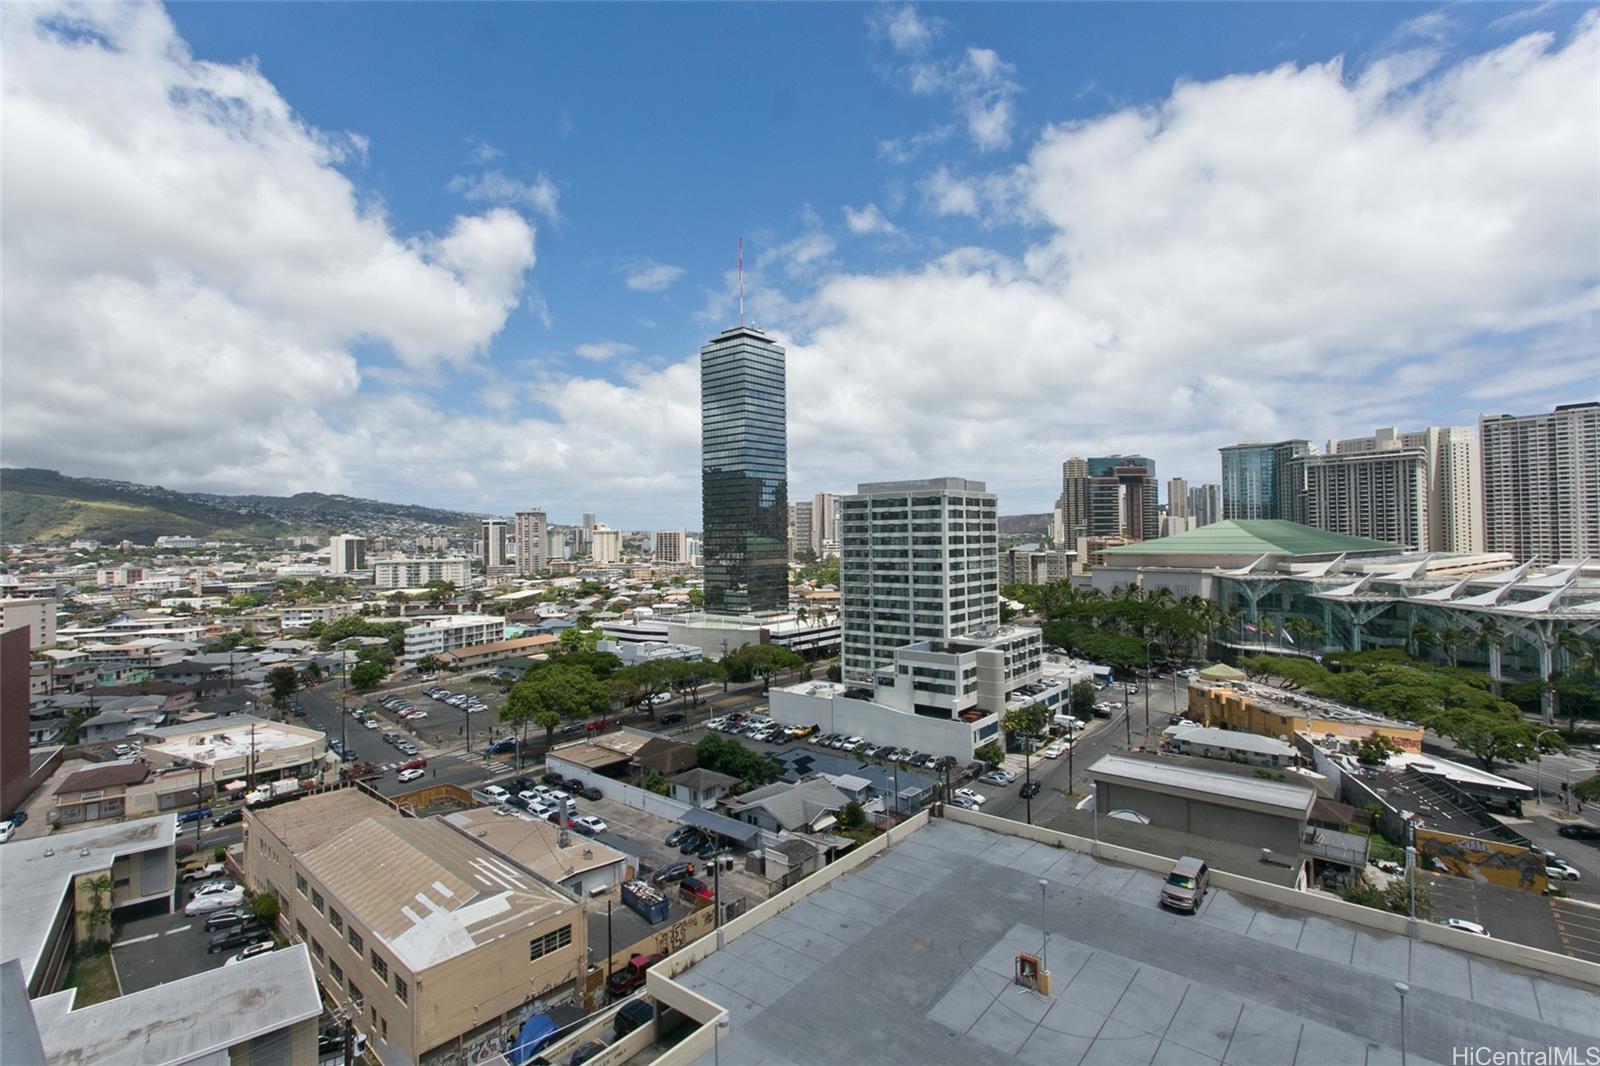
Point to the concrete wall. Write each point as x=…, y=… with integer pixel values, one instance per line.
x=1313, y=902
x=1210, y=820
x=640, y=799
x=879, y=724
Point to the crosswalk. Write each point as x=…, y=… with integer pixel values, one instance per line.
x=496, y=767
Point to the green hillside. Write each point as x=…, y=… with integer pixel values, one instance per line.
x=42, y=505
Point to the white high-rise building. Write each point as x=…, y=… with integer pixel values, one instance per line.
x=556, y=546
x=1541, y=483
x=456, y=631
x=824, y=521
x=1453, y=473
x=672, y=546
x=605, y=547
x=1205, y=503
x=918, y=561
x=800, y=526
x=346, y=553
x=529, y=530
x=1177, y=498
x=492, y=543
x=1381, y=494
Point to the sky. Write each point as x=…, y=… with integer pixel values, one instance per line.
x=465, y=255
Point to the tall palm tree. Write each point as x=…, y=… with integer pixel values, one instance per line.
x=1452, y=638
x=1422, y=637
x=1492, y=636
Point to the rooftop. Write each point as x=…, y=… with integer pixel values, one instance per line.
x=534, y=842
x=876, y=954
x=218, y=740
x=1236, y=739
x=187, y=1020
x=429, y=892
x=105, y=775
x=310, y=821
x=1163, y=775
x=1253, y=537
x=37, y=871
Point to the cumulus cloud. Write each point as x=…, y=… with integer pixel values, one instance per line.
x=600, y=351
x=907, y=29
x=867, y=220
x=647, y=275
x=186, y=266
x=945, y=194
x=495, y=187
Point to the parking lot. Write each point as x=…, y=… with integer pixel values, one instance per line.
x=159, y=948
x=1566, y=926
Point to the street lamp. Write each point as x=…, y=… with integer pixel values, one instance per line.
x=1147, y=680
x=1402, y=988
x=716, y=1038
x=1538, y=761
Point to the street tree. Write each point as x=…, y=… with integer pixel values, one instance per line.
x=282, y=681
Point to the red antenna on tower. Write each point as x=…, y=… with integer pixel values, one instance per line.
x=741, y=282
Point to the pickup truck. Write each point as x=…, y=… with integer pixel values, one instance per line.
x=204, y=873
x=631, y=976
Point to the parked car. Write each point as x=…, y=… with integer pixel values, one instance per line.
x=709, y=848
x=406, y=776
x=1464, y=926
x=206, y=872
x=659, y=699
x=589, y=792
x=258, y=948
x=670, y=874
x=1031, y=788
x=693, y=842
x=414, y=764
x=969, y=794
x=672, y=718
x=1185, y=886
x=236, y=937
x=966, y=803
x=496, y=793
x=589, y=825
x=193, y=815
x=692, y=889
x=998, y=777
x=215, y=886
x=631, y=976
x=675, y=837
x=634, y=1014
x=213, y=901
x=585, y=1052
x=225, y=919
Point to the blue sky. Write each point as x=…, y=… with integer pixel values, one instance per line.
x=464, y=254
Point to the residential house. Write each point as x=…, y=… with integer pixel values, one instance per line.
x=806, y=806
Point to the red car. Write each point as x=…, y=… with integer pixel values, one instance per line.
x=414, y=764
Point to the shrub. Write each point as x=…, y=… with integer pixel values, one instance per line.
x=266, y=907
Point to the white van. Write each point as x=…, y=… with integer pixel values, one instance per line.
x=496, y=793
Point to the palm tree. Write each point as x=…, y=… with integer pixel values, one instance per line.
x=1451, y=638
x=1493, y=637
x=1583, y=661
x=97, y=914
x=1422, y=637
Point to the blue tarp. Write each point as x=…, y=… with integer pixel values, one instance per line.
x=533, y=1036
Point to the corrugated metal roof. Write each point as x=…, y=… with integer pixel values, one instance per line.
x=428, y=891
x=1205, y=784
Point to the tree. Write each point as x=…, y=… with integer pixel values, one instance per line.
x=547, y=697
x=852, y=816
x=654, y=782
x=1028, y=721
x=697, y=598
x=763, y=661
x=578, y=639
x=282, y=680
x=1588, y=790
x=835, y=671
x=381, y=654
x=1421, y=638
x=990, y=755
x=97, y=915
x=365, y=677
x=313, y=672
x=428, y=664
x=1082, y=700
x=1492, y=738
x=1375, y=748
x=266, y=907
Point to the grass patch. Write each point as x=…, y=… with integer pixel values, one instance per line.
x=94, y=979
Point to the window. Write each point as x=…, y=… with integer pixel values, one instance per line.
x=355, y=995
x=380, y=967
x=355, y=941
x=316, y=900
x=300, y=929
x=300, y=883
x=316, y=949
x=337, y=971
x=400, y=988
x=383, y=1023
x=335, y=921
x=541, y=946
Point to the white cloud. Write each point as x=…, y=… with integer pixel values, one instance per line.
x=480, y=151
x=186, y=267
x=868, y=219
x=907, y=30
x=982, y=87
x=647, y=275
x=600, y=351
x=495, y=187
x=945, y=194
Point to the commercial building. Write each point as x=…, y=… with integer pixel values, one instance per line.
x=1382, y=495
x=918, y=562
x=825, y=523
x=1074, y=502
x=1453, y=472
x=605, y=545
x=476, y=655
x=556, y=546
x=451, y=632
x=1541, y=483
x=1258, y=479
x=530, y=530
x=238, y=748
x=38, y=613
x=1120, y=497
x=1241, y=707
x=1205, y=504
x=744, y=473
x=432, y=941
x=581, y=865
x=1029, y=565
x=800, y=526
x=1228, y=745
x=415, y=573
x=672, y=546
x=1177, y=498
x=492, y=543
x=347, y=553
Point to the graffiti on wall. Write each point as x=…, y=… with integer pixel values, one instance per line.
x=1489, y=861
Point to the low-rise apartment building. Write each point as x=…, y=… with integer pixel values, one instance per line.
x=38, y=613
x=434, y=942
x=237, y=748
x=452, y=632
x=415, y=573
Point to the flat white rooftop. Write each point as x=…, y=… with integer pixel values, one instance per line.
x=216, y=740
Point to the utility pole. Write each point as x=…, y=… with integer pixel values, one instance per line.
x=1027, y=772
x=250, y=759
x=610, y=945
x=349, y=1043
x=199, y=783
x=342, y=715
x=1148, y=678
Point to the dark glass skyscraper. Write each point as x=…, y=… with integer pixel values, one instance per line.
x=744, y=471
